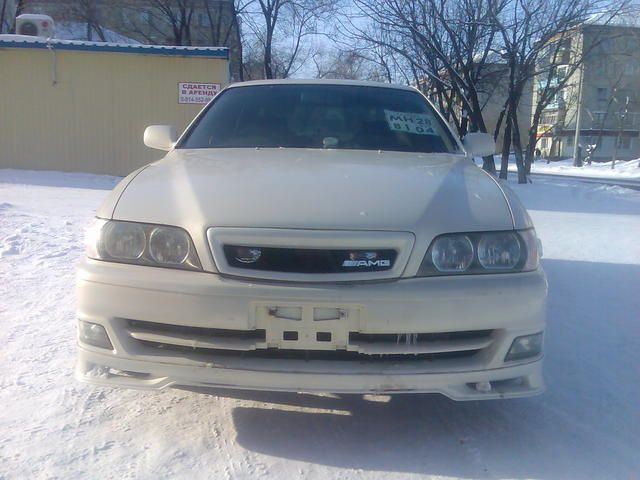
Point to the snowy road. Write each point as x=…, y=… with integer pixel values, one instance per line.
x=586, y=426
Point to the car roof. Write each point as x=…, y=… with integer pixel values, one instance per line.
x=294, y=81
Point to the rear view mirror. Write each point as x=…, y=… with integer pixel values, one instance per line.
x=479, y=144
x=160, y=137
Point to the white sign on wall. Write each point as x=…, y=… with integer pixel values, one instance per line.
x=199, y=93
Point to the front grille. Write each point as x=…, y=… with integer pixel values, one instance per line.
x=311, y=355
x=360, y=347
x=174, y=336
x=377, y=338
x=256, y=335
x=300, y=260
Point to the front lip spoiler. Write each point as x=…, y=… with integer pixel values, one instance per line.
x=108, y=370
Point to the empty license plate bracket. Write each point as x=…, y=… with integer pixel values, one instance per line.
x=307, y=327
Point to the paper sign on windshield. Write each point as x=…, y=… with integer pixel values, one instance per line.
x=417, y=123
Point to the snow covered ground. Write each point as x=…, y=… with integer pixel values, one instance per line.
x=627, y=170
x=586, y=426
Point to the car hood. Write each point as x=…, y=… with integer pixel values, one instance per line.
x=426, y=194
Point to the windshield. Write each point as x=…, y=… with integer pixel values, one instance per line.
x=321, y=116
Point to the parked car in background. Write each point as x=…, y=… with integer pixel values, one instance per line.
x=327, y=236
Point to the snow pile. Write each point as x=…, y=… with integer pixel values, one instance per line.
x=586, y=426
x=622, y=170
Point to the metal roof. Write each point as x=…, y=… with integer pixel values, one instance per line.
x=24, y=41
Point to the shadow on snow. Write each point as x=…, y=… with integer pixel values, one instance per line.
x=585, y=426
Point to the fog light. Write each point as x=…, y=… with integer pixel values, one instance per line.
x=483, y=387
x=93, y=334
x=525, y=347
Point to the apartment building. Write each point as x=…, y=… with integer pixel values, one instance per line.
x=601, y=98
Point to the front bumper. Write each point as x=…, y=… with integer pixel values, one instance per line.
x=507, y=305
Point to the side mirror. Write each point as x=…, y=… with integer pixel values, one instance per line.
x=479, y=144
x=161, y=137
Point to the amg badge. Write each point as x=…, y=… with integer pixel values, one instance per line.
x=366, y=263
x=366, y=259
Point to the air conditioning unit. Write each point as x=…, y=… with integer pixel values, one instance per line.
x=35, y=25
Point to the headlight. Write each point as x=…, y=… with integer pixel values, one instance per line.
x=499, y=251
x=169, y=245
x=452, y=253
x=123, y=240
x=141, y=244
x=481, y=253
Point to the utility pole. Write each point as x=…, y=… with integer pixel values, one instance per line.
x=622, y=115
x=577, y=151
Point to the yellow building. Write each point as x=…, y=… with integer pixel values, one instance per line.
x=83, y=106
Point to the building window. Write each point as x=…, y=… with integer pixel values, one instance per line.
x=598, y=119
x=602, y=94
x=625, y=120
x=145, y=18
x=624, y=143
x=621, y=94
x=606, y=44
x=569, y=141
x=631, y=68
x=562, y=72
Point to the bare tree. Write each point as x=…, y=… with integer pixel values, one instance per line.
x=348, y=64
x=446, y=45
x=19, y=8
x=383, y=62
x=178, y=14
x=281, y=29
x=525, y=28
x=531, y=30
x=191, y=22
x=450, y=50
x=87, y=12
x=223, y=26
x=4, y=10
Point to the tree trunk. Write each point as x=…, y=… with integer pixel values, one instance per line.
x=489, y=164
x=238, y=35
x=517, y=147
x=268, y=72
x=2, y=14
x=268, y=69
x=528, y=156
x=19, y=10
x=496, y=132
x=506, y=148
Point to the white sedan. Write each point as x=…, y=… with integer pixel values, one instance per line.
x=314, y=236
